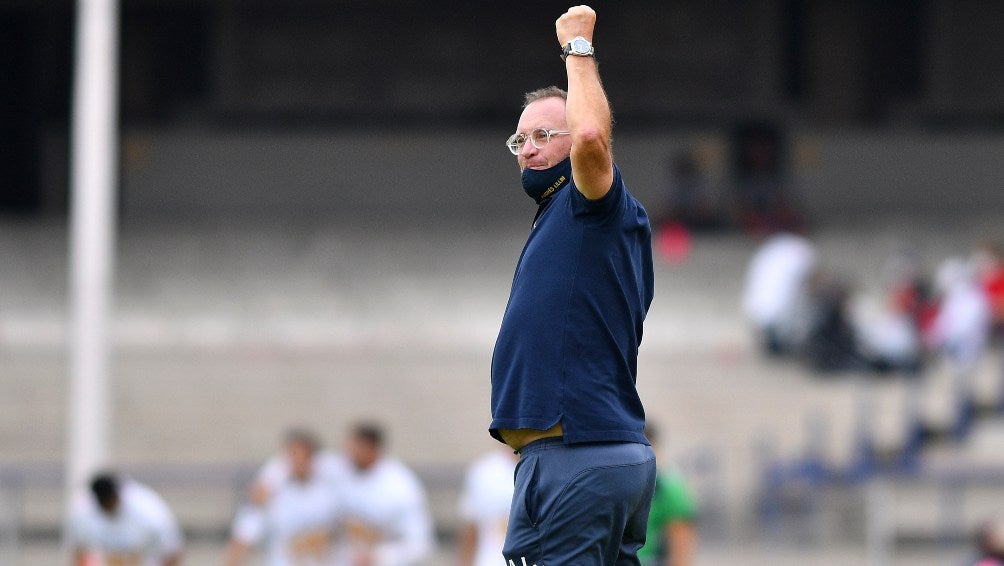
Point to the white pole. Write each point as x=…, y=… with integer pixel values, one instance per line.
x=94, y=167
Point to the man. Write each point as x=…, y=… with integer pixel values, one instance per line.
x=565, y=362
x=960, y=332
x=776, y=292
x=672, y=536
x=484, y=507
x=125, y=523
x=294, y=506
x=386, y=516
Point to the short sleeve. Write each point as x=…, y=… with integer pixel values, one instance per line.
x=249, y=525
x=167, y=532
x=273, y=473
x=601, y=207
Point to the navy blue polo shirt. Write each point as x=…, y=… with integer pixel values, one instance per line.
x=567, y=349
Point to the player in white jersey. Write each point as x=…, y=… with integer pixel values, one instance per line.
x=123, y=523
x=775, y=290
x=293, y=508
x=484, y=507
x=961, y=329
x=387, y=521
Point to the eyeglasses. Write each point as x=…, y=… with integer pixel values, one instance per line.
x=537, y=136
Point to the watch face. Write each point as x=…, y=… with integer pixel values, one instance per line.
x=580, y=45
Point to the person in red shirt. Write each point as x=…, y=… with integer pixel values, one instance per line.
x=990, y=268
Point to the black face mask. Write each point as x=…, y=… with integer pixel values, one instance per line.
x=540, y=184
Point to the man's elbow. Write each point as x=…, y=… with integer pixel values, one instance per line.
x=591, y=138
x=591, y=147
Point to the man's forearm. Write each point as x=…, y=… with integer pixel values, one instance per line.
x=587, y=109
x=682, y=536
x=236, y=554
x=466, y=545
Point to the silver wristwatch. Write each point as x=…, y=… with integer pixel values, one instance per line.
x=579, y=46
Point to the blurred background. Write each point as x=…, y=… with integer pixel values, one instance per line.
x=318, y=222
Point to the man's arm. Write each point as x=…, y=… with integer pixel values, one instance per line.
x=587, y=110
x=682, y=538
x=467, y=542
x=237, y=553
x=246, y=531
x=680, y=530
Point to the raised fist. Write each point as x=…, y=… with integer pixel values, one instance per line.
x=578, y=20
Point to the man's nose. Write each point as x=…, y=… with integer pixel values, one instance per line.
x=528, y=148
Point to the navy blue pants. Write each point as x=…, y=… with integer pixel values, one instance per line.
x=580, y=504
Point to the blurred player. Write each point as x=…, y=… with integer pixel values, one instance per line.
x=990, y=270
x=672, y=535
x=775, y=291
x=960, y=332
x=484, y=508
x=961, y=328
x=293, y=507
x=387, y=521
x=124, y=523
x=565, y=363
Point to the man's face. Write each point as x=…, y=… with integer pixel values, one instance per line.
x=301, y=458
x=362, y=453
x=109, y=505
x=546, y=113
